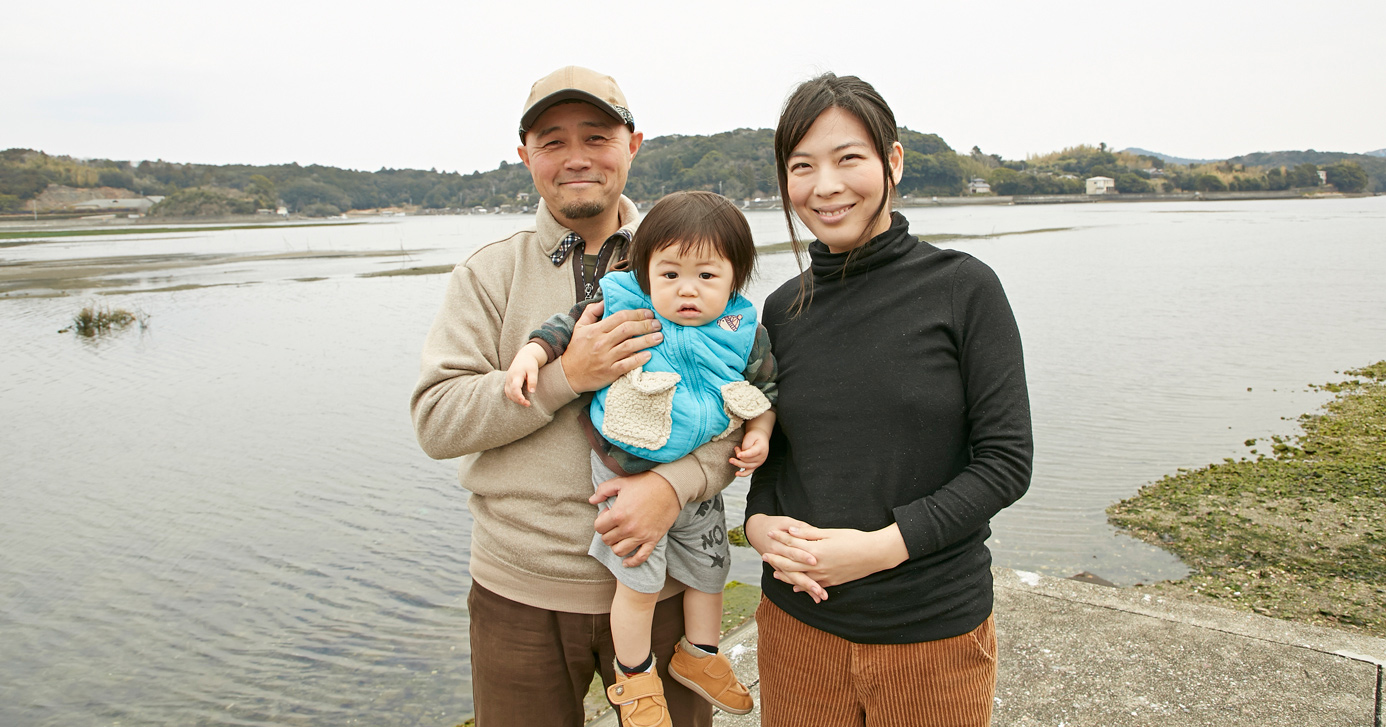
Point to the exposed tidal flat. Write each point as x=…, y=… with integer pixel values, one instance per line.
x=1299, y=531
x=223, y=517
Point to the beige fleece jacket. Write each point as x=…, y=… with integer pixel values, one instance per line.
x=527, y=467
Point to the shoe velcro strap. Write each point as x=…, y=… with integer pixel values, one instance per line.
x=634, y=689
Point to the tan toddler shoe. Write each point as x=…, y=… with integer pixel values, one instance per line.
x=640, y=699
x=711, y=676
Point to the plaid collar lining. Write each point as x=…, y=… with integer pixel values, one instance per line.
x=572, y=239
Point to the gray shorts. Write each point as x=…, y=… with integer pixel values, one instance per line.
x=694, y=551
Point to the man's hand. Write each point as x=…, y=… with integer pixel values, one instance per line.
x=643, y=513
x=602, y=351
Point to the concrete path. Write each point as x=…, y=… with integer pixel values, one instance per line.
x=1075, y=654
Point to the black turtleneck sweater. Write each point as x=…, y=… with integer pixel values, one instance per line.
x=902, y=400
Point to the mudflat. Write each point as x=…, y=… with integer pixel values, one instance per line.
x=1297, y=533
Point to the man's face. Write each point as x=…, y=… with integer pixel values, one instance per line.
x=579, y=158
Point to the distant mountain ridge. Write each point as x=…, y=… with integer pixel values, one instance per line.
x=1170, y=159
x=1167, y=158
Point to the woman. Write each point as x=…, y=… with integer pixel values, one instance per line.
x=904, y=426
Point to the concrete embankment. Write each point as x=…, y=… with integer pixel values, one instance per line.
x=1084, y=655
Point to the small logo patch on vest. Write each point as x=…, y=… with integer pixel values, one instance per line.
x=729, y=323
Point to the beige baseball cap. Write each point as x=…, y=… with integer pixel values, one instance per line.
x=575, y=83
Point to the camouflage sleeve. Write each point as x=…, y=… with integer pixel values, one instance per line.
x=555, y=333
x=761, y=369
x=630, y=464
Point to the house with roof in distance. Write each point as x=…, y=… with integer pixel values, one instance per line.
x=978, y=186
x=1101, y=185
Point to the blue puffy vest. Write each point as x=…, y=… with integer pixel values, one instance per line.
x=706, y=357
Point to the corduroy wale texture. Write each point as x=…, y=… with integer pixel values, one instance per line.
x=810, y=677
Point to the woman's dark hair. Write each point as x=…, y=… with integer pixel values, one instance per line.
x=801, y=109
x=697, y=221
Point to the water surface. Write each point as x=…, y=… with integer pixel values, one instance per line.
x=224, y=519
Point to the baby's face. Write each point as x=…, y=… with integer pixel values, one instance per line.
x=690, y=288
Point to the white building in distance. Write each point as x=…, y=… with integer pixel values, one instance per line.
x=1101, y=185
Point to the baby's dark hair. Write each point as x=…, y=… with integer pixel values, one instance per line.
x=699, y=220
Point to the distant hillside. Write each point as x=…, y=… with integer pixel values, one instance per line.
x=1374, y=166
x=1166, y=158
x=739, y=164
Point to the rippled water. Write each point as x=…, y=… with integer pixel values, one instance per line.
x=224, y=519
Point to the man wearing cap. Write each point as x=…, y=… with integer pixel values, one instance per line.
x=538, y=603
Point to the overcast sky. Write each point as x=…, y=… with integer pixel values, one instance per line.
x=440, y=85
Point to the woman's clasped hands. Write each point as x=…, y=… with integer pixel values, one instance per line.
x=812, y=559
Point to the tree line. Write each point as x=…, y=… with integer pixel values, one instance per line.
x=1065, y=172
x=739, y=164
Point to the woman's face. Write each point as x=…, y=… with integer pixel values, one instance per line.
x=835, y=182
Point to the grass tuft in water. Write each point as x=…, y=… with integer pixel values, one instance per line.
x=94, y=320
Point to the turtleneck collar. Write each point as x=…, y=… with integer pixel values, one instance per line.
x=879, y=250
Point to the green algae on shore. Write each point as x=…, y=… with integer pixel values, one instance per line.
x=1297, y=535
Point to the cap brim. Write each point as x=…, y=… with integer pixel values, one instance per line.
x=568, y=94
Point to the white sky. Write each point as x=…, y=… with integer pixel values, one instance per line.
x=439, y=85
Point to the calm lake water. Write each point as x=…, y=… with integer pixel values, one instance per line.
x=224, y=519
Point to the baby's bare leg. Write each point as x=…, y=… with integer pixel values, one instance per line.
x=702, y=617
x=632, y=614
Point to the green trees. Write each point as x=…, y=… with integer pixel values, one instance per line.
x=262, y=190
x=739, y=164
x=1276, y=180
x=1245, y=183
x=21, y=183
x=931, y=166
x=1304, y=175
x=1132, y=183
x=121, y=178
x=926, y=144
x=1006, y=181
x=932, y=174
x=1346, y=176
x=299, y=194
x=439, y=197
x=204, y=202
x=1208, y=183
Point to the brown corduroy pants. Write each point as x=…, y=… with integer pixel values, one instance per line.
x=532, y=667
x=810, y=677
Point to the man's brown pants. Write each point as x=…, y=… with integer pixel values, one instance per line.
x=532, y=667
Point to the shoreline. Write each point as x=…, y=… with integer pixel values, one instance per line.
x=1298, y=533
x=1106, y=198
x=66, y=220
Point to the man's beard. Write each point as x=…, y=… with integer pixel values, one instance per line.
x=582, y=210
